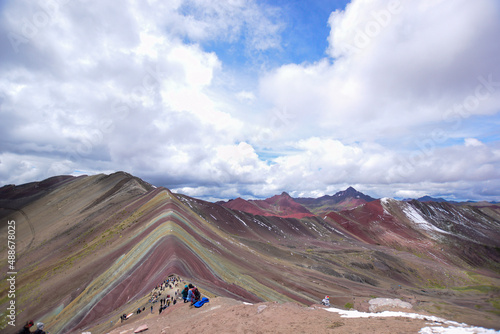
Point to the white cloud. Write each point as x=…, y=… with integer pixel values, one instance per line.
x=398, y=76
x=410, y=69
x=198, y=66
x=102, y=88
x=202, y=20
x=410, y=194
x=245, y=96
x=472, y=142
x=329, y=165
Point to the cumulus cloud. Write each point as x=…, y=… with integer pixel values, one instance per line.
x=393, y=66
x=329, y=165
x=112, y=90
x=398, y=88
x=393, y=108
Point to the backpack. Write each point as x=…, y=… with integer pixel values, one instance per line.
x=197, y=294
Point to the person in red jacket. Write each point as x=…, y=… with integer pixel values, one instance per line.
x=26, y=328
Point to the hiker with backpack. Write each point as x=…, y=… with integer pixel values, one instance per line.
x=197, y=295
x=193, y=294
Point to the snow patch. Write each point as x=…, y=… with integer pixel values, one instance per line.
x=315, y=229
x=456, y=330
x=420, y=221
x=262, y=224
x=241, y=220
x=385, y=203
x=334, y=229
x=437, y=327
x=385, y=200
x=187, y=202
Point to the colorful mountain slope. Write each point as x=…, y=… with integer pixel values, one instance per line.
x=14, y=197
x=440, y=231
x=90, y=248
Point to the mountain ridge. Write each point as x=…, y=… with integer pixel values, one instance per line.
x=282, y=205
x=341, y=200
x=428, y=198
x=285, y=206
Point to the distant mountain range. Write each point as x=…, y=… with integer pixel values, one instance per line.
x=287, y=207
x=427, y=198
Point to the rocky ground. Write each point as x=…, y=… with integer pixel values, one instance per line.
x=225, y=315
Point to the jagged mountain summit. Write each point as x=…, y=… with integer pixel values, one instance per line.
x=342, y=200
x=92, y=248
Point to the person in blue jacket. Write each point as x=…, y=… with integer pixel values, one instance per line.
x=190, y=295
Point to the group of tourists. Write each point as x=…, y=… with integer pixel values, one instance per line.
x=190, y=294
x=166, y=302
x=163, y=294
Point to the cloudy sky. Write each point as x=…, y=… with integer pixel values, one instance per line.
x=220, y=99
